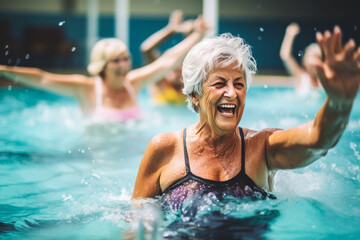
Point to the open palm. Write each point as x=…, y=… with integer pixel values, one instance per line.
x=339, y=73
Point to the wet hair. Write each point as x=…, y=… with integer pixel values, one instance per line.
x=312, y=49
x=213, y=53
x=103, y=51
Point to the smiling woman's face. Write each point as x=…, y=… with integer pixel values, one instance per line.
x=222, y=104
x=119, y=65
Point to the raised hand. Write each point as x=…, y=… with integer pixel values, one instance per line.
x=186, y=27
x=175, y=20
x=200, y=25
x=339, y=73
x=293, y=29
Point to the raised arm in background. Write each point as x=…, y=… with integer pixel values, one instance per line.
x=339, y=74
x=68, y=85
x=171, y=59
x=150, y=47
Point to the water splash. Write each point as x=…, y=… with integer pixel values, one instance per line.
x=353, y=147
x=61, y=23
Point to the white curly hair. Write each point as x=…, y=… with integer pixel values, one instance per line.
x=219, y=52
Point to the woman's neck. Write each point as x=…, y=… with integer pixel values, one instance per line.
x=114, y=83
x=219, y=143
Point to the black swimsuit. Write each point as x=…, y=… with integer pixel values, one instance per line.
x=191, y=185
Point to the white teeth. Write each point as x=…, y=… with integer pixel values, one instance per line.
x=227, y=106
x=226, y=113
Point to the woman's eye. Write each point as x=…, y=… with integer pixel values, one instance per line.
x=218, y=84
x=239, y=85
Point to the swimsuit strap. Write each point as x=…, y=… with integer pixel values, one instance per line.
x=187, y=166
x=242, y=150
x=98, y=91
x=186, y=156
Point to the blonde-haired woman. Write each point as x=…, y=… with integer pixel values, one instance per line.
x=110, y=94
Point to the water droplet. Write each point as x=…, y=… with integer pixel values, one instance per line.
x=300, y=53
x=6, y=53
x=61, y=23
x=9, y=61
x=265, y=86
x=69, y=151
x=315, y=29
x=7, y=46
x=261, y=29
x=27, y=56
x=73, y=49
x=259, y=38
x=18, y=60
x=355, y=27
x=9, y=88
x=83, y=151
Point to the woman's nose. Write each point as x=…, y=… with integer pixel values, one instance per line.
x=230, y=92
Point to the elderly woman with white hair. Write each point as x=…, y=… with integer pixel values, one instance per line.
x=110, y=94
x=217, y=157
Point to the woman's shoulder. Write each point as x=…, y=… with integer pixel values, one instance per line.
x=166, y=141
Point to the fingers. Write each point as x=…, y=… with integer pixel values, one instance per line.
x=328, y=43
x=320, y=42
x=176, y=17
x=331, y=45
x=320, y=72
x=337, y=40
x=357, y=55
x=201, y=25
x=349, y=49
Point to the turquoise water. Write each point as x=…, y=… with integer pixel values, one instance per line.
x=63, y=179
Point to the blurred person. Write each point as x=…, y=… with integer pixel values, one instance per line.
x=110, y=94
x=169, y=89
x=306, y=80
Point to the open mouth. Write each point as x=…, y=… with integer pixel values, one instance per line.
x=227, y=109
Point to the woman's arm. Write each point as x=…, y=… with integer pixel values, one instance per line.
x=340, y=77
x=147, y=184
x=171, y=59
x=150, y=45
x=69, y=85
x=290, y=63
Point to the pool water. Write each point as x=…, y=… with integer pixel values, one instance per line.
x=61, y=178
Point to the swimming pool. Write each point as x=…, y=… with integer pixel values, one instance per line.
x=61, y=179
